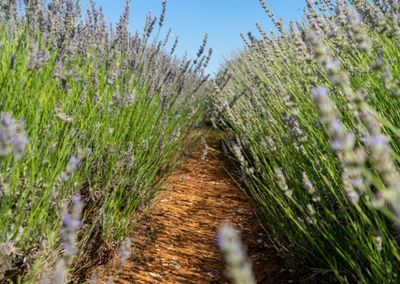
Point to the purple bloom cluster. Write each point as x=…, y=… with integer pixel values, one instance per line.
x=72, y=165
x=13, y=138
x=71, y=222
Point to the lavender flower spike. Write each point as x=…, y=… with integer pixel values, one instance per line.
x=71, y=223
x=239, y=267
x=13, y=138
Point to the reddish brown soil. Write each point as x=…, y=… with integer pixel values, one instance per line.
x=176, y=243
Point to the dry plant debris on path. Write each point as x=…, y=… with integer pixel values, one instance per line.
x=177, y=241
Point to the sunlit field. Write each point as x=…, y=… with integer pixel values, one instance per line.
x=95, y=121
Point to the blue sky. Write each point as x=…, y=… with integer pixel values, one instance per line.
x=191, y=19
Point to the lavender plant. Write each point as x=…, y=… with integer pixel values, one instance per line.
x=317, y=135
x=107, y=112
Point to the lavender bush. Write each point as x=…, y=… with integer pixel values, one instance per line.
x=106, y=114
x=313, y=107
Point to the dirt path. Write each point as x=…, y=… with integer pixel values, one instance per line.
x=177, y=242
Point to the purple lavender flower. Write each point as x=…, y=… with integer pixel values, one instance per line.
x=239, y=266
x=345, y=141
x=124, y=251
x=320, y=92
x=13, y=138
x=376, y=141
x=333, y=65
x=71, y=222
x=73, y=164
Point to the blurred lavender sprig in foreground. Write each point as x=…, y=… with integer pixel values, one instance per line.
x=71, y=223
x=239, y=268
